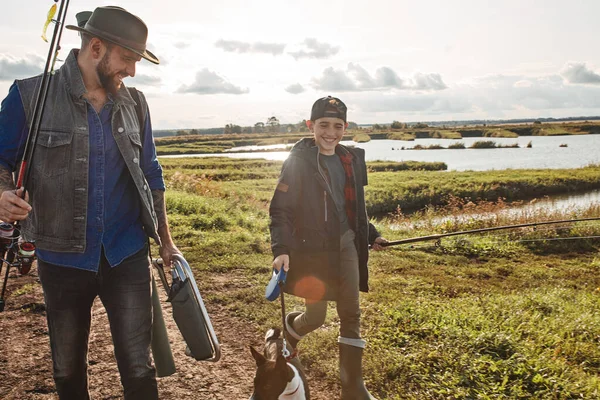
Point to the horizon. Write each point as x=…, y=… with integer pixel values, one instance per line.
x=239, y=63
x=591, y=118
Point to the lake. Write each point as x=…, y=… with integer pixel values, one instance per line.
x=545, y=153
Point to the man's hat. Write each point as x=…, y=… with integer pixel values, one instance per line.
x=328, y=107
x=82, y=17
x=118, y=26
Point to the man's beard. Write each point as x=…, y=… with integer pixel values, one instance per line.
x=107, y=81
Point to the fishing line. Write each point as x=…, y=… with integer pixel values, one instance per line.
x=506, y=236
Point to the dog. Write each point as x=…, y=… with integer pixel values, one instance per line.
x=277, y=378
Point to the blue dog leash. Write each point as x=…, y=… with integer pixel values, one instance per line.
x=275, y=285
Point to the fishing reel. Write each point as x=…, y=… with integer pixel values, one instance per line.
x=24, y=250
x=25, y=257
x=6, y=236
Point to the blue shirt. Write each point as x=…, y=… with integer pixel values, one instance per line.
x=113, y=213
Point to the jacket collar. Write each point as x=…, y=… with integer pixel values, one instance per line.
x=75, y=85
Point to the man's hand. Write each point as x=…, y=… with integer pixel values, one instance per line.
x=167, y=251
x=13, y=207
x=377, y=245
x=282, y=260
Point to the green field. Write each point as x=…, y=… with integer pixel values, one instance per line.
x=501, y=316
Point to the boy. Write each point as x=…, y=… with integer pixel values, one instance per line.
x=321, y=234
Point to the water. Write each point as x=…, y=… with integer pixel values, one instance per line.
x=545, y=153
x=565, y=204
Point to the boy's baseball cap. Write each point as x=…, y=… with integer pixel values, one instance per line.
x=328, y=107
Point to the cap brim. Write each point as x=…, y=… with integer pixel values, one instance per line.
x=146, y=54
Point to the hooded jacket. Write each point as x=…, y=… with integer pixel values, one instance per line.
x=305, y=223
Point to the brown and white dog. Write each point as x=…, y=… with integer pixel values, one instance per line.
x=277, y=378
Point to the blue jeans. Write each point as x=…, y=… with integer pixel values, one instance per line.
x=125, y=292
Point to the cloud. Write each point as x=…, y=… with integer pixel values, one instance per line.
x=315, y=49
x=335, y=81
x=295, y=88
x=208, y=82
x=491, y=96
x=158, y=52
x=580, y=73
x=146, y=80
x=356, y=79
x=429, y=82
x=387, y=78
x=234, y=46
x=13, y=68
x=181, y=45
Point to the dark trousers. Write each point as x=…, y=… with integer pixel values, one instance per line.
x=125, y=292
x=348, y=307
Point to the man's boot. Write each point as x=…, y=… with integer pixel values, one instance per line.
x=291, y=336
x=353, y=387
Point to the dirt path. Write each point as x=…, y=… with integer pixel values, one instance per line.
x=26, y=366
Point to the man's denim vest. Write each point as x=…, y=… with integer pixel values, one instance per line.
x=58, y=181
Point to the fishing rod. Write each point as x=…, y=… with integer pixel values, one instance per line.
x=481, y=230
x=16, y=252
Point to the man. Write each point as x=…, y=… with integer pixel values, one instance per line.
x=96, y=194
x=320, y=232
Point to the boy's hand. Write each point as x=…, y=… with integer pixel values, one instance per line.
x=13, y=207
x=282, y=260
x=377, y=245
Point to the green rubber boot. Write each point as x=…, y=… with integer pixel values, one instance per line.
x=353, y=387
x=291, y=336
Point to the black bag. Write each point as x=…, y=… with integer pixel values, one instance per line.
x=189, y=312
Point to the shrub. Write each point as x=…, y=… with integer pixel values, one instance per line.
x=483, y=144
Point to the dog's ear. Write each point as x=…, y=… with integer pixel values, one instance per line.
x=260, y=359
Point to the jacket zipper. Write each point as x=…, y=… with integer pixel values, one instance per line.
x=325, y=202
x=326, y=183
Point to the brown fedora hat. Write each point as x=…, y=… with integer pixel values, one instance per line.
x=82, y=18
x=118, y=26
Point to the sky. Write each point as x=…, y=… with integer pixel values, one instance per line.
x=241, y=62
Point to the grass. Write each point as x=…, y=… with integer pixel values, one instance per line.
x=457, y=145
x=477, y=317
x=499, y=132
x=416, y=190
x=389, y=166
x=400, y=136
x=490, y=144
x=557, y=130
x=446, y=134
x=481, y=144
x=361, y=138
x=429, y=147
